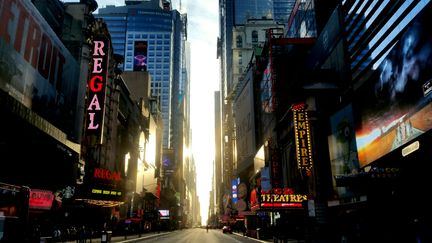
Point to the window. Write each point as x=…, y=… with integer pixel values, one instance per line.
x=254, y=37
x=239, y=41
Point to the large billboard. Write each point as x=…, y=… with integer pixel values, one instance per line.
x=245, y=124
x=342, y=147
x=395, y=102
x=266, y=90
x=35, y=67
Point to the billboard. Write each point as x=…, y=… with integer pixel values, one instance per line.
x=266, y=89
x=394, y=104
x=140, y=56
x=245, y=124
x=342, y=147
x=35, y=67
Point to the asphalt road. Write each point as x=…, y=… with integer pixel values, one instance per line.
x=196, y=235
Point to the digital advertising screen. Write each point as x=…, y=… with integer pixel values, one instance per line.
x=394, y=104
x=164, y=214
x=140, y=56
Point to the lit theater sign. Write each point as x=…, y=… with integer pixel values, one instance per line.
x=279, y=198
x=96, y=86
x=101, y=173
x=302, y=137
x=41, y=199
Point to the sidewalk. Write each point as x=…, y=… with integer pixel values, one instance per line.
x=264, y=240
x=269, y=240
x=128, y=238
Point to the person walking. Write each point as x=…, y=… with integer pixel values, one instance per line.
x=82, y=235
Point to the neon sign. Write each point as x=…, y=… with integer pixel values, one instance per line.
x=279, y=198
x=105, y=192
x=105, y=174
x=40, y=199
x=302, y=137
x=96, y=85
x=283, y=198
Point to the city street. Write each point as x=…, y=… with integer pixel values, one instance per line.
x=199, y=235
x=187, y=236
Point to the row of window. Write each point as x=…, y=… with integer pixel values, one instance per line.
x=151, y=47
x=165, y=42
x=239, y=39
x=151, y=67
x=149, y=36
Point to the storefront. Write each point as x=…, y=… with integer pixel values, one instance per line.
x=279, y=213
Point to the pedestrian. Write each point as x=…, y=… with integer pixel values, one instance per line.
x=207, y=227
x=82, y=235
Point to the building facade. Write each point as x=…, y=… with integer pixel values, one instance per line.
x=340, y=112
x=71, y=103
x=43, y=95
x=232, y=13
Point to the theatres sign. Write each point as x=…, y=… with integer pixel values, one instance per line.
x=97, y=86
x=302, y=137
x=277, y=198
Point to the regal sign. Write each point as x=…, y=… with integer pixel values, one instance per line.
x=97, y=86
x=302, y=138
x=101, y=173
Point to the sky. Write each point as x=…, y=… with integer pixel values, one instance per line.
x=203, y=30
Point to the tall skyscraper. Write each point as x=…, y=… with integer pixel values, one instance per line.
x=149, y=36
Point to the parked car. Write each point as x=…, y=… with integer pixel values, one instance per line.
x=226, y=229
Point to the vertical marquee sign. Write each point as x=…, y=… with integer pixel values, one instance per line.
x=97, y=86
x=302, y=137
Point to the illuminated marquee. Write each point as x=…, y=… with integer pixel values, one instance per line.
x=40, y=199
x=96, y=86
x=283, y=198
x=106, y=192
x=302, y=138
x=279, y=198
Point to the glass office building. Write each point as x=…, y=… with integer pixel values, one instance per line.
x=282, y=10
x=150, y=39
x=255, y=9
